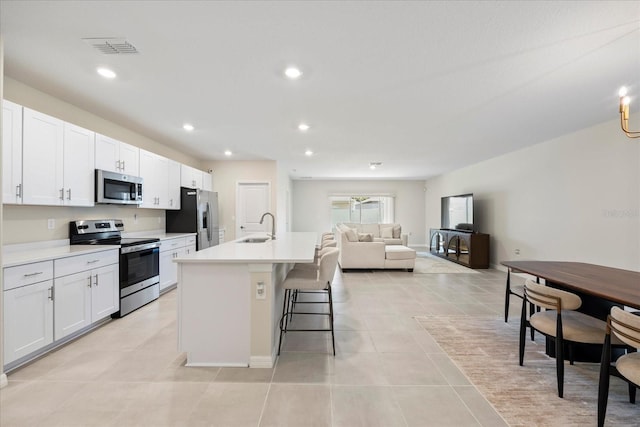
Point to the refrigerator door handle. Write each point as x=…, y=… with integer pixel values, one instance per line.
x=208, y=214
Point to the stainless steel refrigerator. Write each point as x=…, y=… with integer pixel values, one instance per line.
x=198, y=214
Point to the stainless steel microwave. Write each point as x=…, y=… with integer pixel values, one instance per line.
x=117, y=188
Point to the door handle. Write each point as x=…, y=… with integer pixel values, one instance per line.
x=19, y=190
x=50, y=296
x=96, y=283
x=62, y=193
x=33, y=274
x=123, y=167
x=89, y=285
x=69, y=194
x=118, y=165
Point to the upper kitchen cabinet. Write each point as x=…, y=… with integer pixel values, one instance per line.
x=190, y=177
x=207, y=181
x=57, y=162
x=11, y=152
x=174, y=185
x=154, y=170
x=116, y=156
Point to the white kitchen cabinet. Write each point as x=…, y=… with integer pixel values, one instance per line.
x=11, y=152
x=86, y=290
x=57, y=161
x=154, y=170
x=190, y=177
x=173, y=185
x=79, y=166
x=207, y=181
x=27, y=308
x=170, y=249
x=117, y=156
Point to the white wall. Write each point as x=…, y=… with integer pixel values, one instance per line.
x=312, y=210
x=573, y=198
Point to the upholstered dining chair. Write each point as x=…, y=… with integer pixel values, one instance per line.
x=309, y=280
x=625, y=326
x=559, y=322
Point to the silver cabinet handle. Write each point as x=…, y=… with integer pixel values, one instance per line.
x=118, y=165
x=96, y=276
x=69, y=194
x=51, y=293
x=170, y=202
x=93, y=261
x=123, y=167
x=62, y=193
x=89, y=285
x=19, y=190
x=33, y=274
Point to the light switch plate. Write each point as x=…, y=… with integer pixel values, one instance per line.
x=261, y=291
x=51, y=223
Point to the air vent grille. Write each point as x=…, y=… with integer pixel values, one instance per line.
x=111, y=46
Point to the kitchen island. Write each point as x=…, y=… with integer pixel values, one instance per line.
x=230, y=298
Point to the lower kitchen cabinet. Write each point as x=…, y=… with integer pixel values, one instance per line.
x=170, y=249
x=84, y=298
x=28, y=319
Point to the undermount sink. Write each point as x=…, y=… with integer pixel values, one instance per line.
x=255, y=240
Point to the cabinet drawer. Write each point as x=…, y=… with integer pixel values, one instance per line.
x=190, y=240
x=76, y=264
x=27, y=274
x=171, y=244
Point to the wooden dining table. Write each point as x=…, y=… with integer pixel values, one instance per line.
x=599, y=287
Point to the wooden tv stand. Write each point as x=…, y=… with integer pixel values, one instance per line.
x=463, y=247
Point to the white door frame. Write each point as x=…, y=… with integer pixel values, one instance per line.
x=238, y=185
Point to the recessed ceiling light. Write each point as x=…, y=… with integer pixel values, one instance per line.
x=227, y=153
x=303, y=127
x=308, y=153
x=373, y=165
x=188, y=127
x=106, y=73
x=293, y=73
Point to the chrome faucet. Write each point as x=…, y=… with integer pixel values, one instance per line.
x=273, y=224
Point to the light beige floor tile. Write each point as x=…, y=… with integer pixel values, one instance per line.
x=358, y=369
x=303, y=368
x=395, y=342
x=411, y=369
x=30, y=403
x=138, y=365
x=177, y=371
x=426, y=342
x=349, y=322
x=433, y=406
x=244, y=375
x=317, y=342
x=365, y=406
x=391, y=322
x=447, y=368
x=225, y=404
x=87, y=365
x=354, y=342
x=297, y=406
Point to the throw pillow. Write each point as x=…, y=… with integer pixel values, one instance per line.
x=351, y=234
x=396, y=231
x=386, y=233
x=365, y=237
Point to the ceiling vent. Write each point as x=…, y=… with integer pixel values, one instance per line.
x=111, y=45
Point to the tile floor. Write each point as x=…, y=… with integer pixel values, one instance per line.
x=387, y=371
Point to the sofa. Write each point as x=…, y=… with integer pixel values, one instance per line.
x=373, y=246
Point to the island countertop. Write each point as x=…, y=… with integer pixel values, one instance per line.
x=288, y=247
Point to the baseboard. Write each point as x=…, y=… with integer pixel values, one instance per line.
x=3, y=380
x=261, y=362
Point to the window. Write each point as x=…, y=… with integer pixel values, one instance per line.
x=362, y=209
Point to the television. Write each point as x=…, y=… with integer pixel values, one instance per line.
x=456, y=212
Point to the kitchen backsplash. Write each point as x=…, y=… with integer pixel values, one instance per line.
x=22, y=224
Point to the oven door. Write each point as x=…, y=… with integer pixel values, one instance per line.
x=139, y=266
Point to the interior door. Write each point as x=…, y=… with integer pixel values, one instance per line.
x=253, y=200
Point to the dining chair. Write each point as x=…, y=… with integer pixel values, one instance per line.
x=625, y=326
x=559, y=321
x=309, y=281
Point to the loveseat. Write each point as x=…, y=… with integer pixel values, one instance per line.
x=373, y=246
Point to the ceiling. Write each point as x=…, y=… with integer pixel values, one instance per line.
x=423, y=87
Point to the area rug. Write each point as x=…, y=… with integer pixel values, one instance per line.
x=429, y=264
x=485, y=348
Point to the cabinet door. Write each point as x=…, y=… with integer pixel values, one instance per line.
x=28, y=319
x=190, y=177
x=129, y=159
x=173, y=185
x=162, y=179
x=107, y=153
x=11, y=152
x=207, y=181
x=105, y=298
x=72, y=303
x=42, y=159
x=79, y=166
x=190, y=249
x=168, y=269
x=147, y=172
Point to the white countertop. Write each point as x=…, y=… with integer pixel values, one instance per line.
x=286, y=248
x=10, y=258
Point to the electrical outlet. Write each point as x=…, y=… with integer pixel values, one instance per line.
x=517, y=251
x=261, y=291
x=51, y=223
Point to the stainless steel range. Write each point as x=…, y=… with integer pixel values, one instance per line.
x=139, y=260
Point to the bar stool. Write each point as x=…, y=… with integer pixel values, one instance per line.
x=309, y=280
